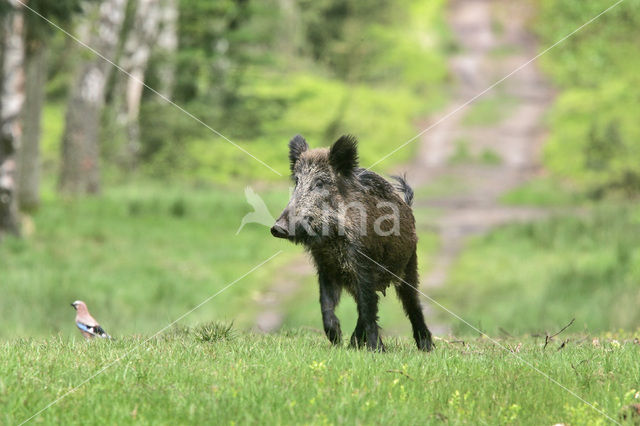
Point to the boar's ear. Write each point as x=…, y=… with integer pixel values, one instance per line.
x=343, y=155
x=297, y=146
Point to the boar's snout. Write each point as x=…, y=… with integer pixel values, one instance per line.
x=280, y=228
x=279, y=232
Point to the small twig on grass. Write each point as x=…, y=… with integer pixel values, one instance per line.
x=400, y=372
x=575, y=367
x=579, y=364
x=505, y=332
x=548, y=338
x=564, y=343
x=462, y=342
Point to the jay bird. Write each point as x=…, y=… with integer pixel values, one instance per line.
x=87, y=325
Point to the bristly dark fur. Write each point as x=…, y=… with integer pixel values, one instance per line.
x=343, y=155
x=404, y=187
x=362, y=254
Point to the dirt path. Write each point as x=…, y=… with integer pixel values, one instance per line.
x=497, y=149
x=270, y=301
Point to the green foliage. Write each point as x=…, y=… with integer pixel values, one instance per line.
x=534, y=277
x=595, y=134
x=372, y=75
x=38, y=30
x=595, y=138
x=296, y=377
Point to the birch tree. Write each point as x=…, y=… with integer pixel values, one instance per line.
x=135, y=59
x=38, y=32
x=80, y=151
x=28, y=185
x=166, y=46
x=11, y=103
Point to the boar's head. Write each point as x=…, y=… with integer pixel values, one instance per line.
x=322, y=178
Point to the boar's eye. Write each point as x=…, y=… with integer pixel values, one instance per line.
x=318, y=184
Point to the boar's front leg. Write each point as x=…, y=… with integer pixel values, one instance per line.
x=329, y=298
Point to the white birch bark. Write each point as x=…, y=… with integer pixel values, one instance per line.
x=80, y=151
x=135, y=59
x=11, y=104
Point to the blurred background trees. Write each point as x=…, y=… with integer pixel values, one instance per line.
x=255, y=71
x=595, y=131
x=260, y=71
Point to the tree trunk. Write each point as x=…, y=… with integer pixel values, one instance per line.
x=11, y=103
x=290, y=37
x=135, y=58
x=166, y=46
x=80, y=151
x=29, y=153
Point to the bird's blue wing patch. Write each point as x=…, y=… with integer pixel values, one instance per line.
x=85, y=327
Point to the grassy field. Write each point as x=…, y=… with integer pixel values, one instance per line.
x=526, y=278
x=143, y=255
x=584, y=264
x=140, y=256
x=208, y=374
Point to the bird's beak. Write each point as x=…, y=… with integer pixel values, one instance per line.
x=72, y=305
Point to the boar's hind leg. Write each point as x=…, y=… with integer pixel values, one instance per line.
x=358, y=338
x=408, y=294
x=367, y=301
x=329, y=298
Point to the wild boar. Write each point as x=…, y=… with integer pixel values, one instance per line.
x=360, y=232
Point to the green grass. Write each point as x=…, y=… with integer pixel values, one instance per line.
x=197, y=376
x=139, y=256
x=438, y=187
x=464, y=155
x=489, y=157
x=545, y=191
x=489, y=110
x=531, y=277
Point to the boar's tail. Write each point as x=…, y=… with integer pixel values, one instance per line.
x=404, y=188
